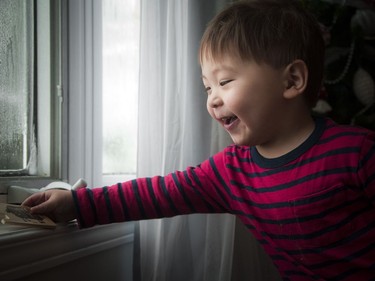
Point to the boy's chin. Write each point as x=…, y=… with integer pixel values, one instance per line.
x=239, y=142
x=243, y=140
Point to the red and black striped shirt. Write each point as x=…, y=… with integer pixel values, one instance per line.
x=312, y=209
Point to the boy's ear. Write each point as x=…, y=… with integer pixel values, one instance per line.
x=295, y=75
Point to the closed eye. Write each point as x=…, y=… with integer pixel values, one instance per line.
x=224, y=82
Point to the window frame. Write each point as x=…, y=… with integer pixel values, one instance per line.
x=55, y=130
x=84, y=74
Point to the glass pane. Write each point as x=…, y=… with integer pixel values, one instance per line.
x=121, y=25
x=16, y=84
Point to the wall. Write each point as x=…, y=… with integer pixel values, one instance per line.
x=95, y=254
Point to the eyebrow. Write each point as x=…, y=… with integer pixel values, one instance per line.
x=221, y=68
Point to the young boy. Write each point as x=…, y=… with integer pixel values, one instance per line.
x=304, y=186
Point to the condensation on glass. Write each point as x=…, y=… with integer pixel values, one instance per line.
x=17, y=130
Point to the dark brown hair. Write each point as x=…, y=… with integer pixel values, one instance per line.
x=274, y=32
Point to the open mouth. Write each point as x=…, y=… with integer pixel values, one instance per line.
x=229, y=120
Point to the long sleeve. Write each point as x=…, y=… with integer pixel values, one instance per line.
x=181, y=192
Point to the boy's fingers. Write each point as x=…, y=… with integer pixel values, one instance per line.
x=42, y=208
x=26, y=202
x=32, y=200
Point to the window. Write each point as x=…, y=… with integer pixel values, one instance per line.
x=121, y=31
x=60, y=127
x=31, y=102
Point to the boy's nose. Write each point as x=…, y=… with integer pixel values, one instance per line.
x=214, y=100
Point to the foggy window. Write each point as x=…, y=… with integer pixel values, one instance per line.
x=17, y=128
x=30, y=79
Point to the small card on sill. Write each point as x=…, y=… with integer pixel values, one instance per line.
x=16, y=214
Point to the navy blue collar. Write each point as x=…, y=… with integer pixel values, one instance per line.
x=270, y=163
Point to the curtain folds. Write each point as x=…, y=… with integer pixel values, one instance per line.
x=175, y=131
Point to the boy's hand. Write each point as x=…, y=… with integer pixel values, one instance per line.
x=54, y=203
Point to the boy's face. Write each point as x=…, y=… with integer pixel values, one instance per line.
x=245, y=98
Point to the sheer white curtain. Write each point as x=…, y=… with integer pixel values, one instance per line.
x=175, y=131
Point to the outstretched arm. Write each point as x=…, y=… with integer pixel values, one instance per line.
x=195, y=190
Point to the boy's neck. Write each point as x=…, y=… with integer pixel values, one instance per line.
x=290, y=136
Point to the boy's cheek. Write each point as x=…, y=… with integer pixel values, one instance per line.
x=210, y=111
